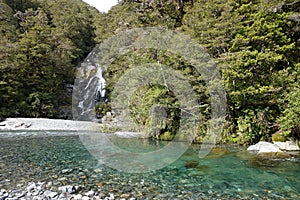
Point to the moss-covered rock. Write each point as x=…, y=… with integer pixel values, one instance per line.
x=279, y=137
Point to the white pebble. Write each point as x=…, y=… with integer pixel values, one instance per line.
x=77, y=197
x=85, y=198
x=90, y=193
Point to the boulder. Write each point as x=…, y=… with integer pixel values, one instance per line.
x=288, y=146
x=264, y=147
x=270, y=159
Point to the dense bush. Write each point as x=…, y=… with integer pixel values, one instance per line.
x=255, y=43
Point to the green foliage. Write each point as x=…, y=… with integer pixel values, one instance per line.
x=289, y=120
x=102, y=108
x=156, y=106
x=279, y=137
x=41, y=43
x=256, y=44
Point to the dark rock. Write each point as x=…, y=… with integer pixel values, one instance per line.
x=191, y=164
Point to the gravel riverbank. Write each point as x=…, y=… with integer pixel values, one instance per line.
x=36, y=124
x=46, y=191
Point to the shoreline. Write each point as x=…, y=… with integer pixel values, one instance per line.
x=45, y=124
x=59, y=127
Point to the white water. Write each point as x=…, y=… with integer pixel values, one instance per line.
x=90, y=91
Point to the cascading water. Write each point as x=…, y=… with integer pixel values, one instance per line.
x=100, y=89
x=89, y=91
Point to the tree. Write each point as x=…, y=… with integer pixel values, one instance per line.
x=256, y=57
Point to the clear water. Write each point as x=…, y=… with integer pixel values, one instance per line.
x=228, y=172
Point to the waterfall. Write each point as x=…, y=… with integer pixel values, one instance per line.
x=89, y=91
x=100, y=89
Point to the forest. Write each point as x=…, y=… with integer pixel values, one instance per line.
x=255, y=44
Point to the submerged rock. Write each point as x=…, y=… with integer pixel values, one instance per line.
x=274, y=155
x=191, y=164
x=269, y=159
x=217, y=152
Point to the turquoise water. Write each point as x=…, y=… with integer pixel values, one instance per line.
x=228, y=172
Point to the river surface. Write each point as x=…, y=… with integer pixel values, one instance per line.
x=228, y=172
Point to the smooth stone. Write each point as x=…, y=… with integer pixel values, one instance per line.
x=111, y=197
x=264, y=147
x=62, y=197
x=85, y=198
x=20, y=195
x=37, y=198
x=125, y=196
x=49, y=184
x=77, y=197
x=64, y=171
x=89, y=193
x=67, y=189
x=31, y=187
x=62, y=179
x=36, y=192
x=98, y=170
x=47, y=192
x=288, y=146
x=4, y=196
x=40, y=183
x=52, y=194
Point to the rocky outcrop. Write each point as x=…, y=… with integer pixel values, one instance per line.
x=278, y=150
x=267, y=147
x=264, y=147
x=288, y=146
